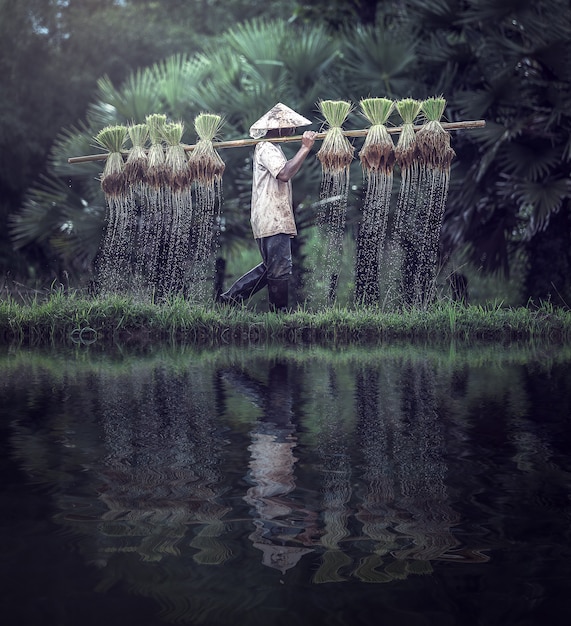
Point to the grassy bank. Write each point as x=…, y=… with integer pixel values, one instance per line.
x=75, y=318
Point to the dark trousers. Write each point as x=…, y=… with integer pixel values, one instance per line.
x=276, y=255
x=276, y=266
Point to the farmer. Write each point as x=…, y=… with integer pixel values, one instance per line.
x=272, y=218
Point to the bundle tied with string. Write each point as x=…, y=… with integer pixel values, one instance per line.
x=405, y=150
x=377, y=153
x=406, y=156
x=205, y=164
x=112, y=139
x=336, y=152
x=433, y=142
x=435, y=156
x=137, y=161
x=177, y=173
x=335, y=155
x=377, y=161
x=206, y=168
x=156, y=169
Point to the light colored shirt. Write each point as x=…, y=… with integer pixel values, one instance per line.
x=272, y=205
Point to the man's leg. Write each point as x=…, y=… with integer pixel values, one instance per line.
x=276, y=252
x=246, y=286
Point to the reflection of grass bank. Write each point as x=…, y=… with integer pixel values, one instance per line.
x=70, y=318
x=443, y=352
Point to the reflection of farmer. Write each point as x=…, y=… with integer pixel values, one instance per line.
x=279, y=520
x=272, y=218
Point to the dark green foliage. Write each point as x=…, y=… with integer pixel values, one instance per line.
x=98, y=61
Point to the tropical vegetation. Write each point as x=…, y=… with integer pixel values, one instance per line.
x=507, y=63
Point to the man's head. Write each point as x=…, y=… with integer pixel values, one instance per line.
x=280, y=121
x=280, y=132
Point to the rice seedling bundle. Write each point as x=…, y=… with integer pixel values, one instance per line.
x=406, y=149
x=113, y=261
x=175, y=156
x=377, y=152
x=206, y=168
x=377, y=160
x=434, y=156
x=205, y=164
x=175, y=213
x=406, y=236
x=406, y=157
x=112, y=139
x=336, y=155
x=136, y=165
x=156, y=169
x=433, y=142
x=336, y=152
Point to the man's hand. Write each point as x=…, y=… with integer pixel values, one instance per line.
x=291, y=168
x=308, y=138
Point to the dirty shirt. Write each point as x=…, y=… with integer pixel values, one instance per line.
x=272, y=206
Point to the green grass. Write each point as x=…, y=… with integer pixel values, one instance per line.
x=75, y=318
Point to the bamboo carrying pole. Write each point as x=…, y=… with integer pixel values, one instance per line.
x=240, y=143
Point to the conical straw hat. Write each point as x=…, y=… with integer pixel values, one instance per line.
x=279, y=116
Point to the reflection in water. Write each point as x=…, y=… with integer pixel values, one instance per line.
x=156, y=482
x=336, y=481
x=280, y=522
x=427, y=517
x=159, y=473
x=336, y=472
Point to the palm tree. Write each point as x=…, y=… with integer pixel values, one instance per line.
x=240, y=78
x=507, y=63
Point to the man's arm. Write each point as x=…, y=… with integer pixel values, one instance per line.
x=291, y=168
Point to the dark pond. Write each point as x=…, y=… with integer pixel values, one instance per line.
x=395, y=485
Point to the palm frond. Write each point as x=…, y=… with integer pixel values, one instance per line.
x=374, y=58
x=257, y=39
x=260, y=42
x=135, y=99
x=176, y=78
x=45, y=211
x=532, y=161
x=542, y=198
x=308, y=54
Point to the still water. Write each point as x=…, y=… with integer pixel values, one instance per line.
x=395, y=485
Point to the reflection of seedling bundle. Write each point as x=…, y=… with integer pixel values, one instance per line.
x=206, y=169
x=114, y=261
x=335, y=155
x=336, y=487
x=377, y=160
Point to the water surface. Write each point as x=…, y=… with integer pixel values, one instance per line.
x=394, y=485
